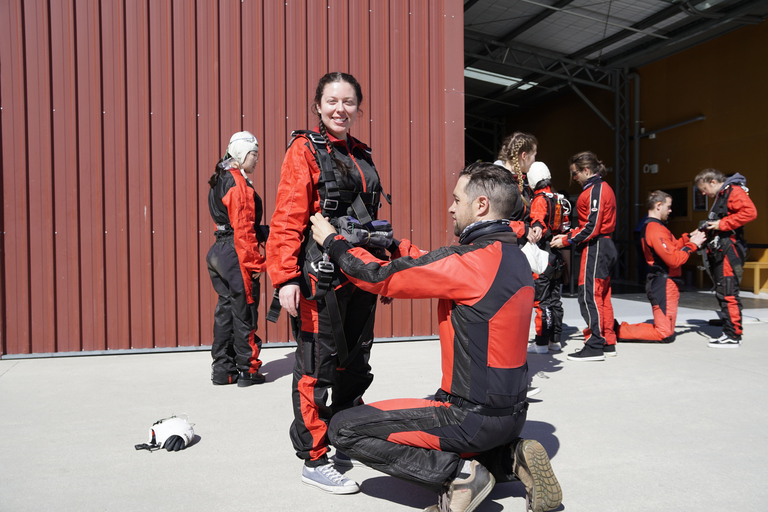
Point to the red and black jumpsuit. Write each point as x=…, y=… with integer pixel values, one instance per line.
x=596, y=209
x=521, y=221
x=726, y=249
x=547, y=302
x=484, y=314
x=317, y=370
x=665, y=256
x=234, y=262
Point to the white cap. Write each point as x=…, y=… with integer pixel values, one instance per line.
x=241, y=144
x=537, y=173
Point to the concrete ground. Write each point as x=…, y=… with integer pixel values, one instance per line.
x=677, y=427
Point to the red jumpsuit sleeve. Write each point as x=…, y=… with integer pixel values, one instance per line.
x=242, y=216
x=297, y=200
x=671, y=251
x=595, y=204
x=741, y=210
x=539, y=209
x=445, y=273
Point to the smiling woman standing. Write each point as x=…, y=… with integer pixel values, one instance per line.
x=326, y=170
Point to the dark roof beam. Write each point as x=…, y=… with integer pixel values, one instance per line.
x=731, y=14
x=568, y=76
x=532, y=22
x=522, y=48
x=650, y=21
x=631, y=28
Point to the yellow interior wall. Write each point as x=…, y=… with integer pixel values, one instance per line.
x=725, y=79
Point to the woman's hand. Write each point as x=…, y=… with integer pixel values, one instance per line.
x=289, y=298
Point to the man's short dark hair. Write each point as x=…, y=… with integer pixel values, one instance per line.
x=655, y=197
x=497, y=184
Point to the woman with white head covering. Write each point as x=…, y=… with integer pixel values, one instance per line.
x=234, y=264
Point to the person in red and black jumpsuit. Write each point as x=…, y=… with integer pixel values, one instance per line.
x=547, y=303
x=234, y=264
x=345, y=311
x=665, y=256
x=463, y=440
x=517, y=154
x=726, y=246
x=596, y=209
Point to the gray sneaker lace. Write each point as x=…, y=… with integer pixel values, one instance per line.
x=329, y=472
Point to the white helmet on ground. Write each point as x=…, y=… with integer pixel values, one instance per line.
x=173, y=434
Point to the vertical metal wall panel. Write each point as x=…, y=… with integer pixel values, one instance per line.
x=17, y=293
x=380, y=114
x=207, y=149
x=282, y=23
x=115, y=175
x=419, y=165
x=164, y=171
x=114, y=113
x=399, y=142
x=339, y=35
x=65, y=184
x=139, y=175
x=90, y=121
x=40, y=131
x=253, y=121
x=185, y=183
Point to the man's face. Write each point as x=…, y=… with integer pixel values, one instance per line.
x=462, y=209
x=709, y=188
x=665, y=209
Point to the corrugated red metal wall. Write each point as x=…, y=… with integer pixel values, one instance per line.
x=114, y=113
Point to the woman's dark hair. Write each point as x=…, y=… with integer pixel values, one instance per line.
x=543, y=183
x=588, y=160
x=336, y=76
x=217, y=171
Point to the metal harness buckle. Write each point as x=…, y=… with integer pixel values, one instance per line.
x=324, y=266
x=328, y=202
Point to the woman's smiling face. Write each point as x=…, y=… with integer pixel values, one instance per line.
x=338, y=108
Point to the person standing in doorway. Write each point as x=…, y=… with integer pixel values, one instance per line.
x=596, y=208
x=726, y=246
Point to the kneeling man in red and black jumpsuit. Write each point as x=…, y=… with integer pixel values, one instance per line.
x=466, y=438
x=665, y=256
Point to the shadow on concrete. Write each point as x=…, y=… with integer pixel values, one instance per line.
x=273, y=370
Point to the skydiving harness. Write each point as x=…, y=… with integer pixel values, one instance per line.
x=717, y=245
x=558, y=219
x=335, y=202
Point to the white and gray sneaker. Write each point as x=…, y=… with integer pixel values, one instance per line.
x=724, y=342
x=328, y=479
